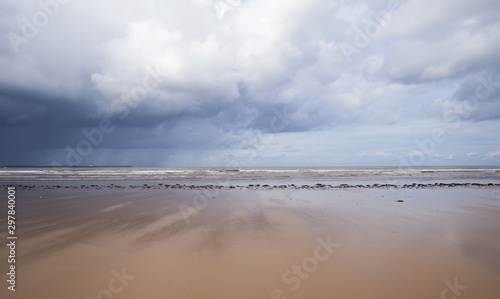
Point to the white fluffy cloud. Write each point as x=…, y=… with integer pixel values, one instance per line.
x=255, y=45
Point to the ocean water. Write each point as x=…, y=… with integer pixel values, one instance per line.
x=258, y=175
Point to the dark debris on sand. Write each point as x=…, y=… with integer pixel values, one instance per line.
x=250, y=186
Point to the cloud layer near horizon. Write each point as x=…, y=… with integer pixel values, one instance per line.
x=213, y=83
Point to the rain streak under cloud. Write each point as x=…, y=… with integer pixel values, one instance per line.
x=250, y=83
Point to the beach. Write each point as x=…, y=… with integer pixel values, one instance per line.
x=232, y=149
x=233, y=240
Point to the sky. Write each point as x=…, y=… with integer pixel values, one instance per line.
x=230, y=83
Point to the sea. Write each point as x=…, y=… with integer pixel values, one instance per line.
x=333, y=176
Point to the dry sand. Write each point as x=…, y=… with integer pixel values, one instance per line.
x=257, y=244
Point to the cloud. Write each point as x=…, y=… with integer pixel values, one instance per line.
x=493, y=154
x=191, y=82
x=452, y=40
x=475, y=98
x=383, y=154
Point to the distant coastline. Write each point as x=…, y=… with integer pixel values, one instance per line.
x=49, y=166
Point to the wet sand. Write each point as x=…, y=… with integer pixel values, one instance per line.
x=299, y=243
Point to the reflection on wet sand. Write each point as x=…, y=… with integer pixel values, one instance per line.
x=251, y=243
